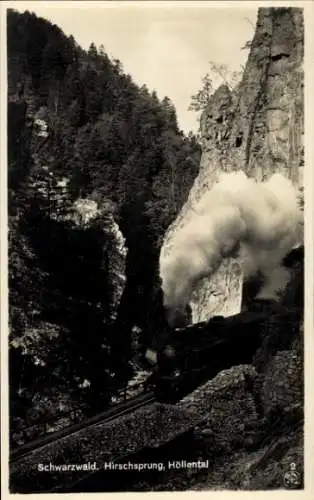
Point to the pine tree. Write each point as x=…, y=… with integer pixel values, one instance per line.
x=107, y=138
x=200, y=100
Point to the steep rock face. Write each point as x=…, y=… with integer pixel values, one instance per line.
x=85, y=212
x=257, y=128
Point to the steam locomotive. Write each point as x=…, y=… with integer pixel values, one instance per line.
x=192, y=355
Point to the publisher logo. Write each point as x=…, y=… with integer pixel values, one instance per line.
x=292, y=478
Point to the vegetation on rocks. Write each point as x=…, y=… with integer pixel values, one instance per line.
x=98, y=168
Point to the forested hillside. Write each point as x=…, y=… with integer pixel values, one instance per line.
x=80, y=130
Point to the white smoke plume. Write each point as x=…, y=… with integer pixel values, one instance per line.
x=259, y=222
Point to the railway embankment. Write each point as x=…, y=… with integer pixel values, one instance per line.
x=246, y=424
x=148, y=426
x=249, y=430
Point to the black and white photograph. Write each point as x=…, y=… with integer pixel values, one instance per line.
x=156, y=190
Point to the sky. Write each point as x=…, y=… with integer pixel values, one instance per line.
x=167, y=47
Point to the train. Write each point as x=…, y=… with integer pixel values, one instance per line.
x=189, y=356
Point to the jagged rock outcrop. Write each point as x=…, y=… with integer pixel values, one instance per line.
x=225, y=408
x=257, y=128
x=85, y=211
x=256, y=427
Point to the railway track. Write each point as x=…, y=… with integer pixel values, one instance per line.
x=106, y=416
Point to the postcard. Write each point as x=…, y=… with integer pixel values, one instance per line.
x=157, y=248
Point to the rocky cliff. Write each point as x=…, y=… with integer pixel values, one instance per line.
x=83, y=212
x=257, y=128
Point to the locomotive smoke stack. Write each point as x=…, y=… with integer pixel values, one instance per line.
x=259, y=222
